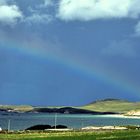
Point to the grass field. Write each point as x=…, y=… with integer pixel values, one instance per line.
x=99, y=135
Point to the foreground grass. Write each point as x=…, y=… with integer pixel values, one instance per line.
x=98, y=135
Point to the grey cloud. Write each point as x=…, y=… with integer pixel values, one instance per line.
x=38, y=18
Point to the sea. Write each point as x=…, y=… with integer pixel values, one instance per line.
x=21, y=121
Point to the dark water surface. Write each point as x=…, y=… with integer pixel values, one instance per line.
x=25, y=120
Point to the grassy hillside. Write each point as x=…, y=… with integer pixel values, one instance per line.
x=113, y=105
x=22, y=108
x=108, y=105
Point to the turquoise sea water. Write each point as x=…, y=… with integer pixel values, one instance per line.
x=25, y=120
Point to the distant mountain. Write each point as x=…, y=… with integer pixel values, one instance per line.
x=112, y=105
x=109, y=99
x=15, y=108
x=106, y=106
x=61, y=110
x=68, y=110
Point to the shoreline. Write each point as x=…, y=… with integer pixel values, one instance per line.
x=121, y=116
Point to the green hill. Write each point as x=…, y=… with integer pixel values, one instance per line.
x=107, y=105
x=112, y=105
x=21, y=108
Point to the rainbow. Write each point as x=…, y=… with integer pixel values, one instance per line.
x=78, y=66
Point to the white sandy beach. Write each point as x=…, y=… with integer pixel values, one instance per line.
x=121, y=116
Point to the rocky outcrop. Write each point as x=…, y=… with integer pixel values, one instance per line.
x=59, y=127
x=45, y=127
x=39, y=127
x=133, y=113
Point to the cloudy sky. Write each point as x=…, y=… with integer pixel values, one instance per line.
x=69, y=52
